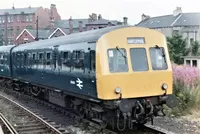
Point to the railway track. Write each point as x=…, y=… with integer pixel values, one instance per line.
x=6, y=126
x=22, y=120
x=142, y=130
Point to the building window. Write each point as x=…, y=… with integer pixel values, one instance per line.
x=194, y=63
x=18, y=18
x=30, y=18
x=191, y=40
x=3, y=19
x=18, y=30
x=29, y=27
x=27, y=18
x=188, y=62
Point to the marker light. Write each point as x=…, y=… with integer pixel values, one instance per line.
x=117, y=90
x=164, y=86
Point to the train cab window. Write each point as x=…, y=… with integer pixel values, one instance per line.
x=78, y=60
x=158, y=59
x=139, y=59
x=117, y=59
x=92, y=60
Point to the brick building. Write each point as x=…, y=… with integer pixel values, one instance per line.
x=14, y=21
x=65, y=27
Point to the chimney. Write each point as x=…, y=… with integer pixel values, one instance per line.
x=94, y=16
x=53, y=6
x=144, y=17
x=51, y=24
x=13, y=7
x=99, y=17
x=70, y=25
x=80, y=26
x=125, y=20
x=177, y=11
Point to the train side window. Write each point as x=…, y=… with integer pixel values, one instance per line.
x=117, y=59
x=48, y=60
x=40, y=60
x=66, y=61
x=1, y=59
x=34, y=62
x=92, y=60
x=78, y=60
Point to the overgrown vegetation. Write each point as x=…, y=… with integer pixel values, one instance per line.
x=177, y=46
x=186, y=86
x=186, y=80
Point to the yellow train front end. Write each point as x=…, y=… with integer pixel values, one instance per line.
x=133, y=69
x=133, y=62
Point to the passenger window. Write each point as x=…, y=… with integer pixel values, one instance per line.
x=139, y=59
x=1, y=59
x=78, y=60
x=117, y=59
x=66, y=61
x=92, y=60
x=41, y=57
x=25, y=59
x=34, y=61
x=48, y=60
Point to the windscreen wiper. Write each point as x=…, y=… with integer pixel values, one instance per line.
x=162, y=52
x=119, y=49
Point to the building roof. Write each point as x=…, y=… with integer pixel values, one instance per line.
x=75, y=22
x=64, y=31
x=14, y=11
x=87, y=36
x=42, y=34
x=65, y=23
x=104, y=21
x=183, y=19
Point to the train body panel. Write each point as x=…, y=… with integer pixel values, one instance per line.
x=5, y=61
x=135, y=61
x=56, y=67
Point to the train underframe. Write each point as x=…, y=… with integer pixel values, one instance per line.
x=116, y=114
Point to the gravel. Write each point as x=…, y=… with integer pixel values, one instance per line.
x=178, y=125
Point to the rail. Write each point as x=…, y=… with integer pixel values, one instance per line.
x=38, y=124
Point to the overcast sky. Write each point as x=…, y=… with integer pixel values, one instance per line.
x=109, y=9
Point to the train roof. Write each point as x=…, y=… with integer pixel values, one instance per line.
x=87, y=36
x=6, y=49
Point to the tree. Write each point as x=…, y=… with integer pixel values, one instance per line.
x=1, y=40
x=177, y=48
x=195, y=48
